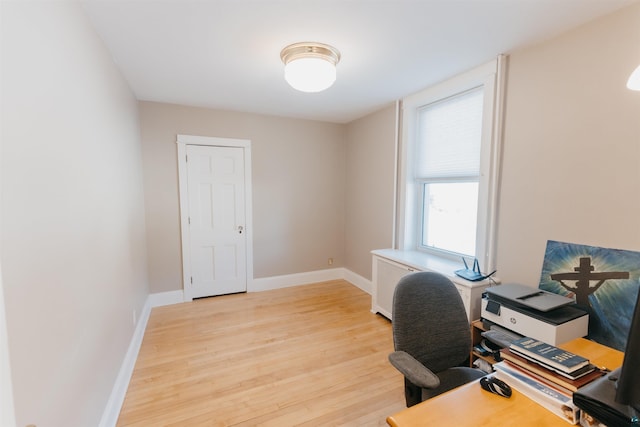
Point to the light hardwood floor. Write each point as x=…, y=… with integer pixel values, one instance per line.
x=308, y=355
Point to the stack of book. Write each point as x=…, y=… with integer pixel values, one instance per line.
x=546, y=374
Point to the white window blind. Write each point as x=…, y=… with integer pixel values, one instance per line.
x=449, y=134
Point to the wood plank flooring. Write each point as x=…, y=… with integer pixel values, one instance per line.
x=310, y=355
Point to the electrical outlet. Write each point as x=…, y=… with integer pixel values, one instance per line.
x=330, y=261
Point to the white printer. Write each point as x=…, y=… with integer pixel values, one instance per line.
x=534, y=313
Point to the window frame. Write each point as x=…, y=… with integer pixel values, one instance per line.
x=409, y=224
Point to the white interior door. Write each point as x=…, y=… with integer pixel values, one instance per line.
x=216, y=220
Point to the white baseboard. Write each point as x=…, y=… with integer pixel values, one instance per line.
x=166, y=298
x=359, y=281
x=285, y=281
x=114, y=405
x=112, y=410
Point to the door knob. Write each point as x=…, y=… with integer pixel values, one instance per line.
x=240, y=229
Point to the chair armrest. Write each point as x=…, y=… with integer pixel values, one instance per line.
x=413, y=370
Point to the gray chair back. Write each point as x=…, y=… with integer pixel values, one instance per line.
x=430, y=322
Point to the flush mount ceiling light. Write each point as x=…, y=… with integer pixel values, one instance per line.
x=634, y=80
x=310, y=66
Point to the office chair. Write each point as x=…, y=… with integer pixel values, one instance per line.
x=431, y=336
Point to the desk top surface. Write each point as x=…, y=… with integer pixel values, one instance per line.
x=470, y=406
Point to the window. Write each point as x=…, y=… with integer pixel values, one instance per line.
x=447, y=171
x=448, y=187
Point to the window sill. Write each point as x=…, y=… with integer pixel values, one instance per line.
x=428, y=262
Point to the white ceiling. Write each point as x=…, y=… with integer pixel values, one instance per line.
x=226, y=53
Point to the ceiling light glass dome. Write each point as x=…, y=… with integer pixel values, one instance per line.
x=310, y=66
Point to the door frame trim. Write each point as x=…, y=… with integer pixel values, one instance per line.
x=182, y=142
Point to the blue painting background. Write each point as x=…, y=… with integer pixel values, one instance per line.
x=611, y=306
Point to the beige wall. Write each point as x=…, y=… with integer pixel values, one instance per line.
x=370, y=188
x=73, y=250
x=298, y=188
x=571, y=159
x=307, y=206
x=571, y=153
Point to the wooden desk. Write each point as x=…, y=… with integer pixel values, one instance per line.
x=470, y=406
